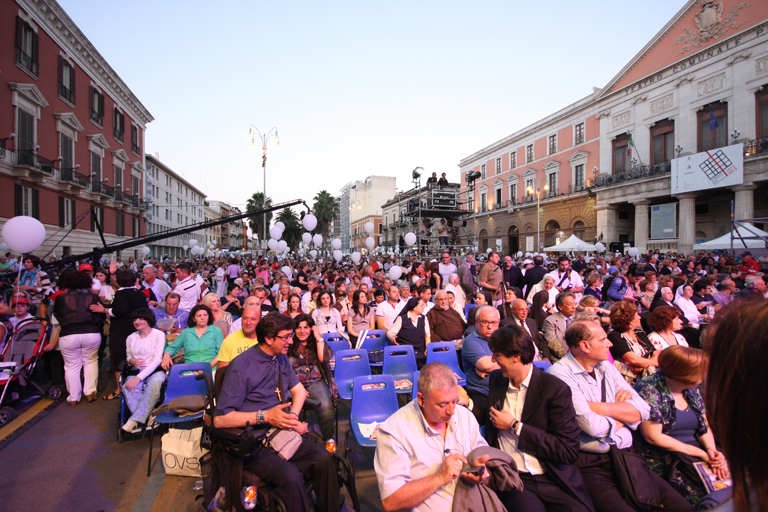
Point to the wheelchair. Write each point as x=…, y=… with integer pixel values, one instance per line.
x=228, y=483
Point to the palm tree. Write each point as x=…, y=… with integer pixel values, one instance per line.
x=326, y=209
x=256, y=223
x=293, y=228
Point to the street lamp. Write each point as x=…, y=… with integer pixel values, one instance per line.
x=538, y=208
x=254, y=133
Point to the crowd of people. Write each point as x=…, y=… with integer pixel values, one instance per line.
x=576, y=368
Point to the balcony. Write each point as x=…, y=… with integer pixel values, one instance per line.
x=384, y=227
x=635, y=173
x=73, y=179
x=67, y=94
x=755, y=147
x=105, y=191
x=28, y=164
x=97, y=117
x=136, y=149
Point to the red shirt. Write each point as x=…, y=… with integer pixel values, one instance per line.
x=750, y=267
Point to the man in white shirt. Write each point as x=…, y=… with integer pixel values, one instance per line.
x=420, y=449
x=186, y=287
x=567, y=279
x=388, y=310
x=425, y=294
x=158, y=287
x=446, y=268
x=533, y=420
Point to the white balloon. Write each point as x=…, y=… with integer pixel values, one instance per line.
x=185, y=247
x=192, y=242
x=395, y=272
x=276, y=233
x=272, y=244
x=356, y=257
x=579, y=246
x=145, y=251
x=519, y=254
x=370, y=242
x=310, y=222
x=286, y=270
x=336, y=243
x=306, y=238
x=410, y=239
x=368, y=227
x=313, y=253
x=280, y=225
x=282, y=245
x=3, y=247
x=599, y=247
x=317, y=239
x=23, y=234
x=337, y=255
x=634, y=251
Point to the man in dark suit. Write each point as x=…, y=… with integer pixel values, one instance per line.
x=653, y=260
x=532, y=418
x=513, y=276
x=534, y=274
x=520, y=318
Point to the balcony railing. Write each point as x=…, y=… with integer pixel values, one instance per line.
x=70, y=175
x=142, y=204
x=67, y=94
x=97, y=118
x=29, y=158
x=118, y=134
x=2, y=148
x=26, y=61
x=636, y=173
x=755, y=147
x=103, y=189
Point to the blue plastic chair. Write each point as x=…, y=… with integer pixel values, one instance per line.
x=445, y=352
x=543, y=365
x=467, y=307
x=350, y=364
x=415, y=385
x=180, y=385
x=336, y=346
x=400, y=363
x=376, y=339
x=369, y=405
x=333, y=336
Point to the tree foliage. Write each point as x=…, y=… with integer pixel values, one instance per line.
x=256, y=222
x=293, y=228
x=326, y=209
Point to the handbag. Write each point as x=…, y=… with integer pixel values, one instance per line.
x=284, y=443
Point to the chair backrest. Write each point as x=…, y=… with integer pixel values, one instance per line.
x=350, y=364
x=543, y=365
x=467, y=307
x=336, y=346
x=25, y=343
x=374, y=398
x=415, y=385
x=333, y=336
x=445, y=352
x=375, y=339
x=182, y=382
x=400, y=362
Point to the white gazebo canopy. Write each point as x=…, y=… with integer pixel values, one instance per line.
x=724, y=242
x=571, y=245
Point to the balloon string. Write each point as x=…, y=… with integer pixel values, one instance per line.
x=65, y=235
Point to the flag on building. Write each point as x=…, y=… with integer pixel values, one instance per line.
x=712, y=121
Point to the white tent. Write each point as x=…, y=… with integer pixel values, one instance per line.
x=571, y=245
x=724, y=242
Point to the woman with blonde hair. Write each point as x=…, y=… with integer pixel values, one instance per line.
x=221, y=319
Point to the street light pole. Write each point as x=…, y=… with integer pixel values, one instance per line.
x=538, y=209
x=254, y=133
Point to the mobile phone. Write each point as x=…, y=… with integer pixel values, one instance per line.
x=474, y=470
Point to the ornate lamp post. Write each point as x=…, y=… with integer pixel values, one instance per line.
x=254, y=133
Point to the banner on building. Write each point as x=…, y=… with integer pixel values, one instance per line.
x=663, y=221
x=721, y=167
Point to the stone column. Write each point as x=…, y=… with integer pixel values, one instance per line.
x=686, y=229
x=641, y=225
x=744, y=201
x=606, y=223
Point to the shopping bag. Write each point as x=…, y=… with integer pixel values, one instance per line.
x=181, y=452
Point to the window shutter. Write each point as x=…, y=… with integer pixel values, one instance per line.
x=92, y=215
x=35, y=52
x=18, y=201
x=101, y=104
x=19, y=31
x=74, y=213
x=36, y=203
x=72, y=84
x=62, y=213
x=61, y=71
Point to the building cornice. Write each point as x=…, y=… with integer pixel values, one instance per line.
x=60, y=27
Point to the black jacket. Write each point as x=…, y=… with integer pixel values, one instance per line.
x=532, y=276
x=550, y=431
x=513, y=277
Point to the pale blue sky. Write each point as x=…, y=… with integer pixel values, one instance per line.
x=354, y=88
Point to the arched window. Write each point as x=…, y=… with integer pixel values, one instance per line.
x=514, y=239
x=552, y=234
x=578, y=229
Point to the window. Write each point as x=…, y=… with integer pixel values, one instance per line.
x=97, y=106
x=529, y=153
x=67, y=212
x=66, y=152
x=66, y=80
x=482, y=172
x=621, y=158
x=578, y=229
x=27, y=46
x=761, y=98
x=135, y=227
x=95, y=169
x=513, y=194
x=578, y=137
x=498, y=165
x=27, y=201
x=167, y=214
x=552, y=144
x=498, y=198
x=470, y=204
x=552, y=182
x=135, y=140
x=119, y=224
x=663, y=137
x=119, y=125
x=578, y=179
x=713, y=126
x=97, y=215
x=118, y=177
x=483, y=202
x=513, y=160
x=529, y=189
x=26, y=132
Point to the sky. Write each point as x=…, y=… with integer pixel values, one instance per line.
x=354, y=88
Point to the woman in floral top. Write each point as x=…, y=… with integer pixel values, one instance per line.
x=677, y=434
x=311, y=362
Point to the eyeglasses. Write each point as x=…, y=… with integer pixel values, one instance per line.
x=285, y=338
x=488, y=323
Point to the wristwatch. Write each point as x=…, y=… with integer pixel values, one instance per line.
x=260, y=417
x=513, y=427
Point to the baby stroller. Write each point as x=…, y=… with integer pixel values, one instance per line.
x=19, y=357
